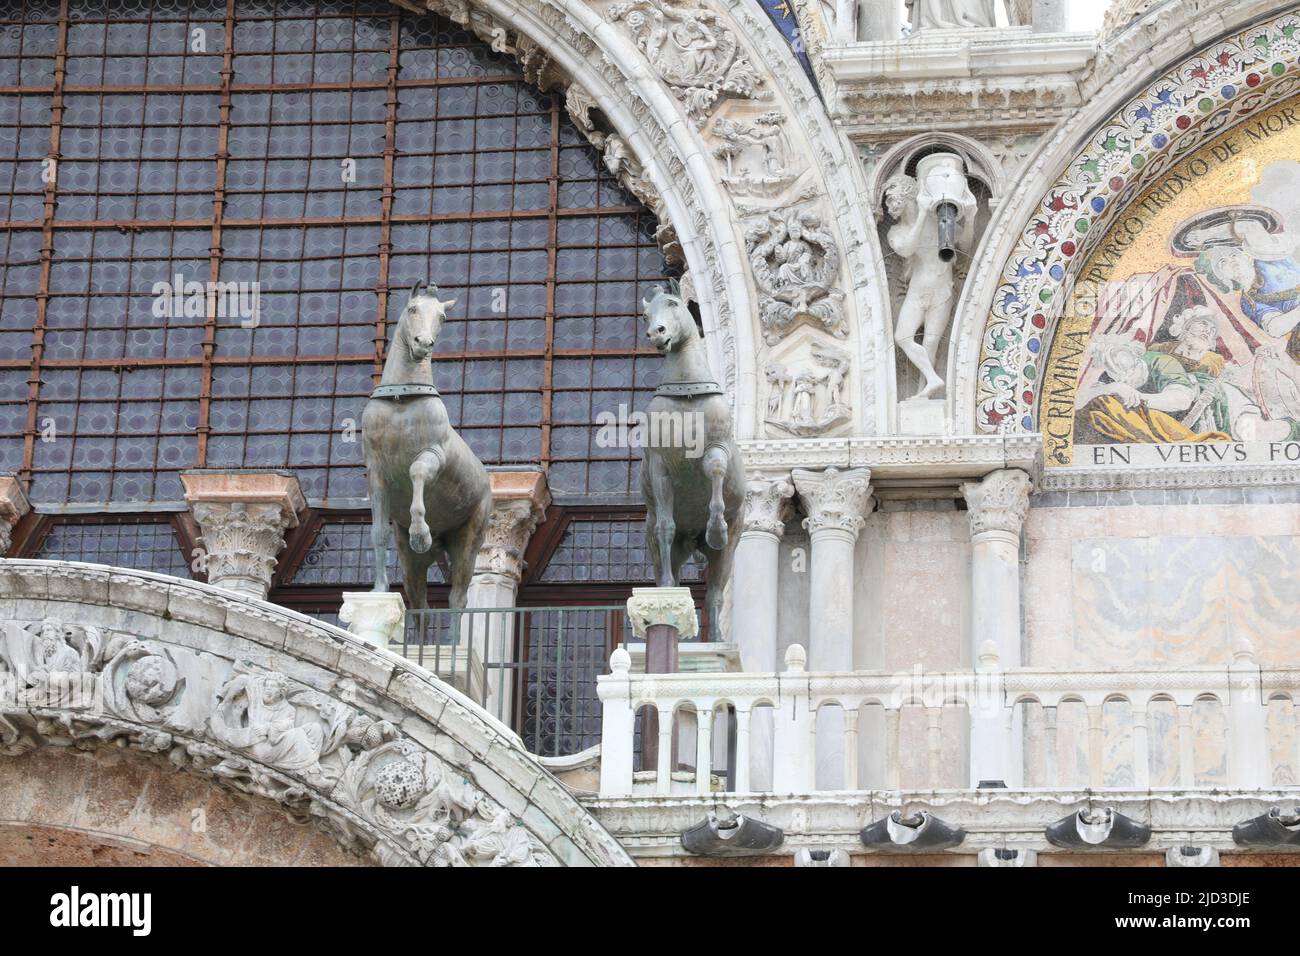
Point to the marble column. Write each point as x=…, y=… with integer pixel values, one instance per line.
x=837, y=503
x=519, y=502
x=13, y=505
x=997, y=507
x=755, y=603
x=242, y=517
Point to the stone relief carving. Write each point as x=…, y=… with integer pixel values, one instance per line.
x=951, y=14
x=756, y=155
x=258, y=731
x=812, y=400
x=796, y=264
x=935, y=219
x=439, y=815
x=691, y=51
x=1000, y=502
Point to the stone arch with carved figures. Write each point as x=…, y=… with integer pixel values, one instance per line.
x=107, y=672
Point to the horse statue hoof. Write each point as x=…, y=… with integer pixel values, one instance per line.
x=715, y=535
x=421, y=539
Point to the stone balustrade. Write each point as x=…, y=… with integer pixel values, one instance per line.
x=1258, y=747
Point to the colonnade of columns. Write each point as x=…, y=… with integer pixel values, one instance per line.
x=836, y=504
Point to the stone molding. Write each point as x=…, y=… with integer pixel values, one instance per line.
x=13, y=505
x=898, y=458
x=1173, y=477
x=376, y=751
x=242, y=517
x=836, y=501
x=674, y=607
x=1000, y=502
x=767, y=505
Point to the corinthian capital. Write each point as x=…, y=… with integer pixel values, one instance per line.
x=13, y=505
x=998, y=503
x=242, y=518
x=519, y=501
x=836, y=500
x=766, y=503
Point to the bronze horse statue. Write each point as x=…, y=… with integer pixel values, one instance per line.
x=694, y=490
x=423, y=477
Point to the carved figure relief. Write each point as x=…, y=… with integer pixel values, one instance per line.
x=796, y=264
x=691, y=51
x=756, y=155
x=809, y=400
x=439, y=815
x=258, y=731
x=935, y=219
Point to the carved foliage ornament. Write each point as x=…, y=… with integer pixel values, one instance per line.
x=691, y=51
x=257, y=731
x=766, y=504
x=998, y=503
x=835, y=500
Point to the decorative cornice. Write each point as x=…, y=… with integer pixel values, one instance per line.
x=954, y=457
x=767, y=504
x=1171, y=477
x=835, y=500
x=1000, y=502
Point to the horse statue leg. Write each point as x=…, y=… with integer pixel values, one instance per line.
x=463, y=546
x=379, y=531
x=415, y=569
x=424, y=469
x=657, y=489
x=716, y=463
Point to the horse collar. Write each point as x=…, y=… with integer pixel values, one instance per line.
x=687, y=389
x=403, y=391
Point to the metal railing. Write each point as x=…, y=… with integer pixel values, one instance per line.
x=533, y=668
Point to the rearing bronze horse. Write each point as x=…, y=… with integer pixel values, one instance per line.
x=423, y=477
x=694, y=490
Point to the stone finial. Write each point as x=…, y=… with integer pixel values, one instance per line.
x=242, y=517
x=674, y=607
x=620, y=662
x=766, y=503
x=998, y=503
x=13, y=505
x=796, y=659
x=836, y=500
x=519, y=502
x=374, y=616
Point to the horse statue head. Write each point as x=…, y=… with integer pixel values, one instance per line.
x=670, y=322
x=422, y=319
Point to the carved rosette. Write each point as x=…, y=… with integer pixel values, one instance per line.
x=674, y=607
x=766, y=505
x=13, y=505
x=999, y=503
x=242, y=541
x=836, y=501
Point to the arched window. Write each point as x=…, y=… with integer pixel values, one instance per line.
x=315, y=159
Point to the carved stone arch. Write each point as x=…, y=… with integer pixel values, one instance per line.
x=1077, y=184
x=664, y=145
x=252, y=699
x=565, y=45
